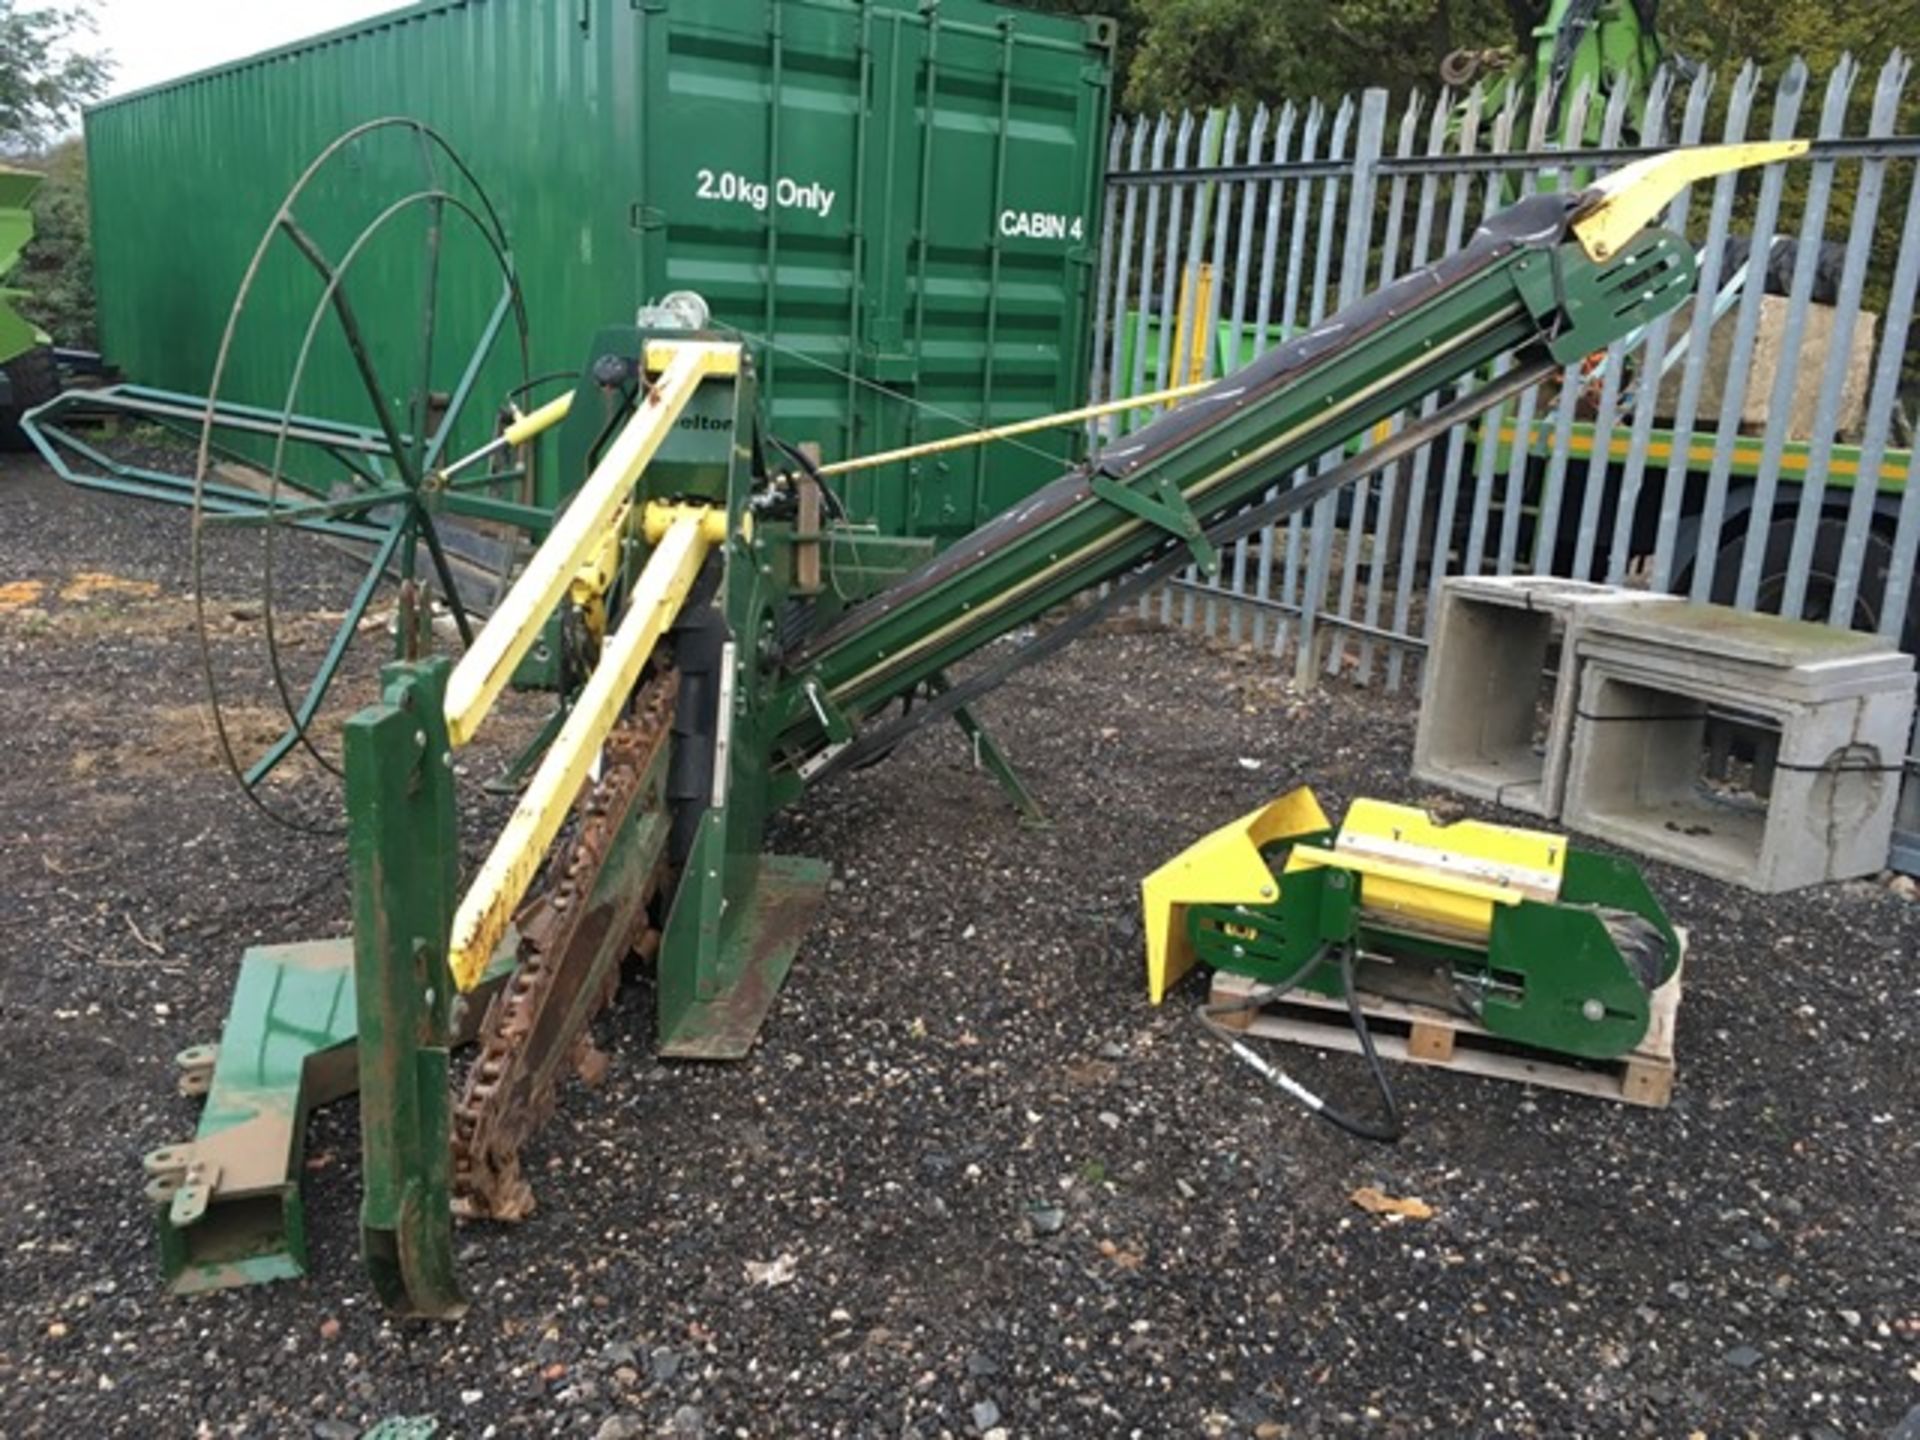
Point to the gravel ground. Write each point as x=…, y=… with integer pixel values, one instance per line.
x=970, y=1183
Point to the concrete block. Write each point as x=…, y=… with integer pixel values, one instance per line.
x=1810, y=658
x=1481, y=730
x=1810, y=359
x=1639, y=774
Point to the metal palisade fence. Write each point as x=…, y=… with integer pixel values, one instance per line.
x=1754, y=448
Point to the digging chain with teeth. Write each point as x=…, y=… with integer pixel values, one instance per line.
x=537, y=1026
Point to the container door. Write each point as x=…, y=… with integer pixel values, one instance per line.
x=981, y=247
x=891, y=202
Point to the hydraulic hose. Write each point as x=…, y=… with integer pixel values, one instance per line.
x=1386, y=1130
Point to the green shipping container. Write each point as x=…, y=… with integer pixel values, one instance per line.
x=897, y=198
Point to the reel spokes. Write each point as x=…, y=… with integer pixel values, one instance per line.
x=412, y=310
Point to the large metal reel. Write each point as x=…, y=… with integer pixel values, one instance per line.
x=398, y=380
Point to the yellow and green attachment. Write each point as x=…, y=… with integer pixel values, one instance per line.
x=1539, y=941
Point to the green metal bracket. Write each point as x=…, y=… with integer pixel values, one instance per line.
x=228, y=1203
x=1577, y=996
x=728, y=946
x=1596, y=304
x=404, y=850
x=987, y=751
x=1338, y=911
x=228, y=1207
x=1166, y=508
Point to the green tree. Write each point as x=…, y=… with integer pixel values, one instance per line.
x=1177, y=54
x=1211, y=52
x=45, y=73
x=1726, y=32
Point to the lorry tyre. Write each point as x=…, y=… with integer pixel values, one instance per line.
x=34, y=379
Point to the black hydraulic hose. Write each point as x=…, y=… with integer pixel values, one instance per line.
x=1388, y=1130
x=520, y=392
x=1392, y=1128
x=805, y=462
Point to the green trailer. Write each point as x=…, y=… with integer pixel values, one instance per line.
x=1693, y=540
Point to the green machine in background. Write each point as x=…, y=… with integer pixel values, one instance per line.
x=1567, y=47
x=737, y=642
x=29, y=375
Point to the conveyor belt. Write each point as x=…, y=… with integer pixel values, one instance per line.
x=1520, y=288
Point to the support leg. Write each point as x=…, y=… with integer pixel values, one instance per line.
x=987, y=752
x=509, y=780
x=405, y=856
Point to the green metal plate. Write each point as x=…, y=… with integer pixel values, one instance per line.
x=757, y=946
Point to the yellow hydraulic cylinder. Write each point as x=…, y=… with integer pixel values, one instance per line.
x=523, y=429
x=539, y=421
x=489, y=904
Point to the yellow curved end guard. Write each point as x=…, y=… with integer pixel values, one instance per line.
x=1632, y=197
x=1224, y=869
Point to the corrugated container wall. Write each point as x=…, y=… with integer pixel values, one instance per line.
x=890, y=194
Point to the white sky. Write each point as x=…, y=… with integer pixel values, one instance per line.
x=155, y=40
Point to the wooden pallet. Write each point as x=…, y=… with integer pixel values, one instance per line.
x=1419, y=1035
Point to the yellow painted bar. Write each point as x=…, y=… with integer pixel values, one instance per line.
x=723, y=358
x=489, y=904
x=1017, y=427
x=483, y=672
x=1189, y=343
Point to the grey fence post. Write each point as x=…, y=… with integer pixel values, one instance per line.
x=1813, y=224
x=1367, y=146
